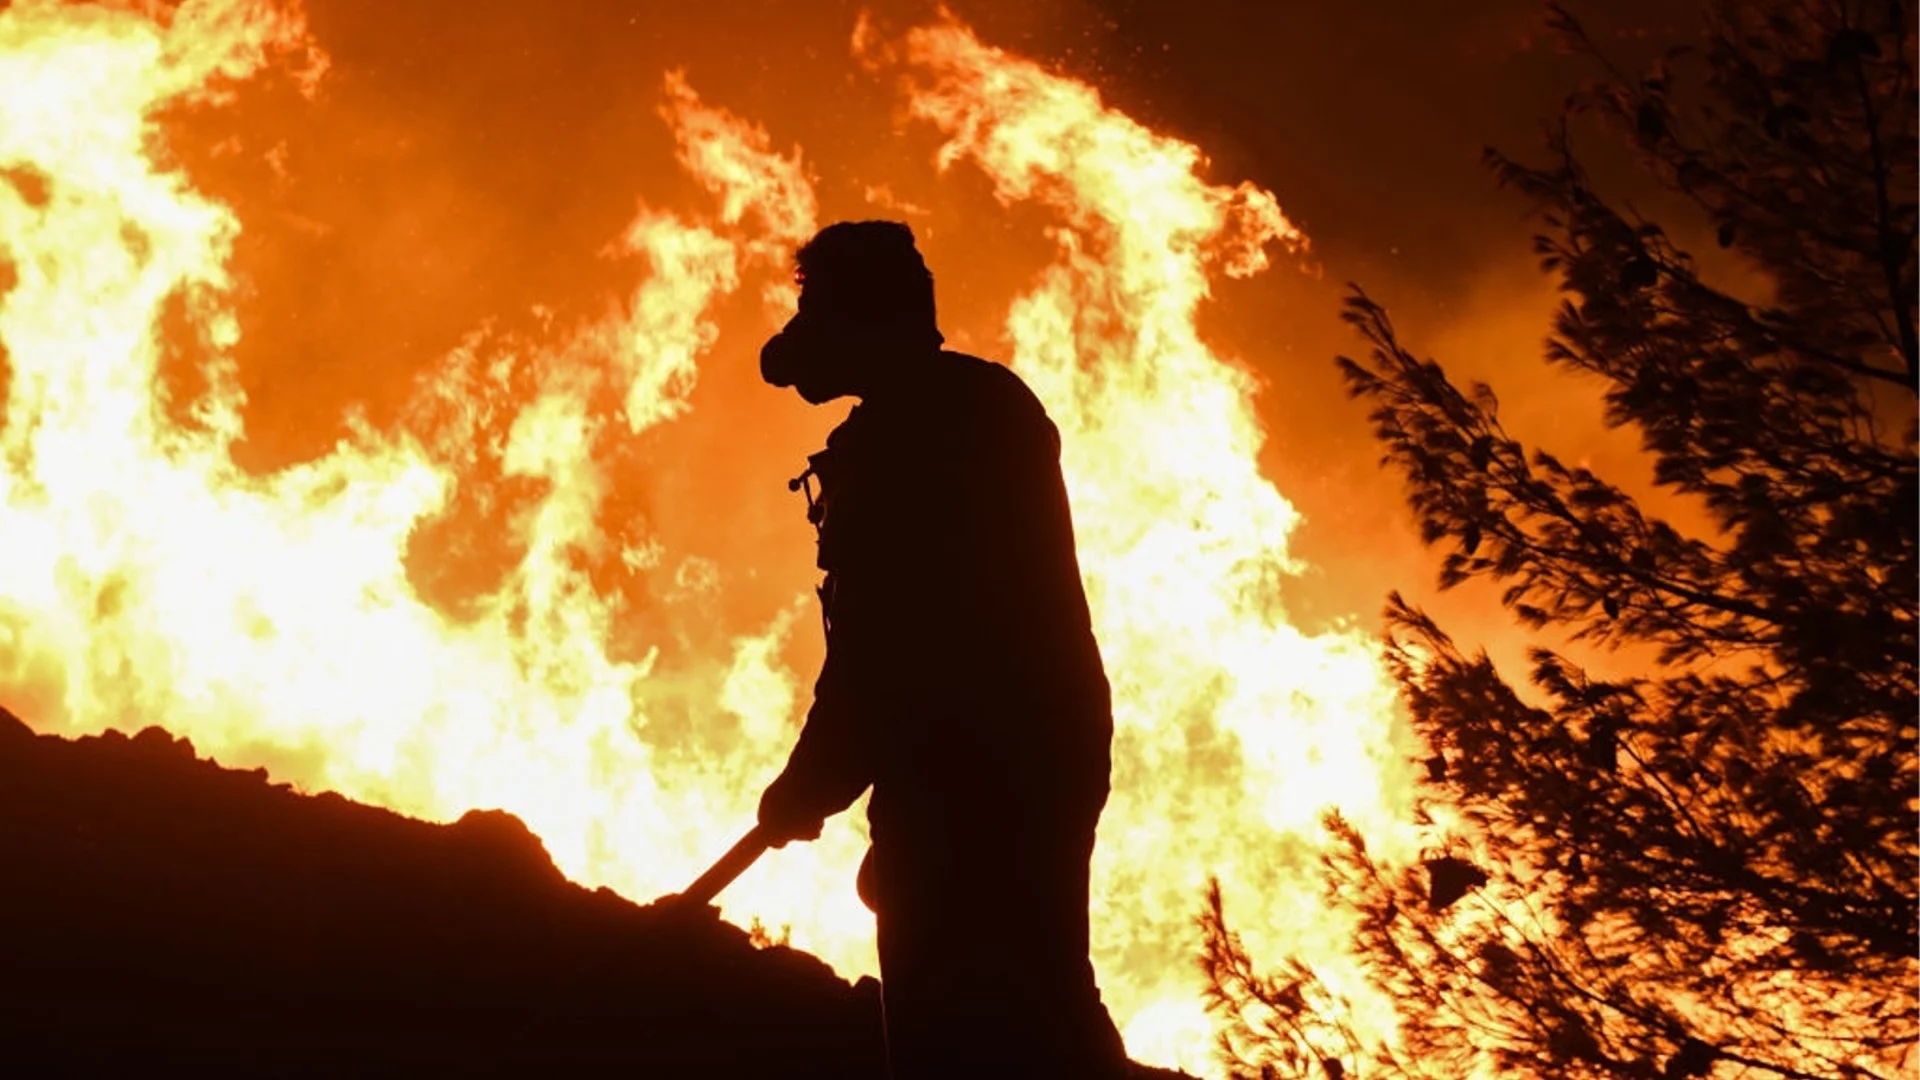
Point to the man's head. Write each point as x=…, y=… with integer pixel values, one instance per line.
x=866, y=306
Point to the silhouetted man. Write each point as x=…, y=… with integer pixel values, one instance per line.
x=962, y=680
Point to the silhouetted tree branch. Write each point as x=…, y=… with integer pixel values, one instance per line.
x=1707, y=868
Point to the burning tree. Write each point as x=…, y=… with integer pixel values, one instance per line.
x=1708, y=868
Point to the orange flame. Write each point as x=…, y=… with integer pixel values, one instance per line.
x=272, y=618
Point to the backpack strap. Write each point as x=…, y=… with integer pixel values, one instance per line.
x=818, y=469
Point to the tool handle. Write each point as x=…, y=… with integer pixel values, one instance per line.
x=729, y=866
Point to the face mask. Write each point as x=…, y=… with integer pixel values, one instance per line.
x=811, y=362
x=782, y=357
x=836, y=336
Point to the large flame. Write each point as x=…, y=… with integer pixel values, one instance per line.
x=273, y=619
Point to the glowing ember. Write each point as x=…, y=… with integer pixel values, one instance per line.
x=272, y=618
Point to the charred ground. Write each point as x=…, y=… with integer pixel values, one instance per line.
x=158, y=908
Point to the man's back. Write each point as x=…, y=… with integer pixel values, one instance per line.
x=955, y=593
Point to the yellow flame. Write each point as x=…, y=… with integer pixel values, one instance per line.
x=272, y=618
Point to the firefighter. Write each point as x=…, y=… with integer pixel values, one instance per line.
x=962, y=681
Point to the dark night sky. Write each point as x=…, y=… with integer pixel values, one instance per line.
x=1367, y=120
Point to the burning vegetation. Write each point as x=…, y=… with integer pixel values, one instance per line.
x=531, y=571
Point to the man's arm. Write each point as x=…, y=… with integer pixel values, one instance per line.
x=829, y=767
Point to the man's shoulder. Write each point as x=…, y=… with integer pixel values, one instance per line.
x=990, y=386
x=958, y=403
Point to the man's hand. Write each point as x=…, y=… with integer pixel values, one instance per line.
x=782, y=823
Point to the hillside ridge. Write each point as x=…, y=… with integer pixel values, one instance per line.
x=161, y=909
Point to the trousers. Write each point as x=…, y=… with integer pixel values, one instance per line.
x=983, y=936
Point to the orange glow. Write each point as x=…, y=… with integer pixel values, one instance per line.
x=273, y=619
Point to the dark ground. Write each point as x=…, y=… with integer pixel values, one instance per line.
x=158, y=909
x=161, y=914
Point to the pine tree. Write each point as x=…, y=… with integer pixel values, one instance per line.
x=1707, y=869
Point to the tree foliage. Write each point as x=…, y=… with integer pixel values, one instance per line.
x=1708, y=868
